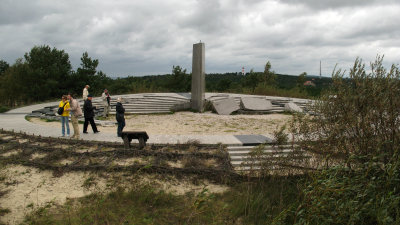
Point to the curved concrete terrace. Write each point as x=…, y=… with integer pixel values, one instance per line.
x=14, y=120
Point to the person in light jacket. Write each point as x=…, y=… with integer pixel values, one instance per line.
x=85, y=92
x=105, y=97
x=76, y=112
x=120, y=116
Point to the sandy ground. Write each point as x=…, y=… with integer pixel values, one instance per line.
x=196, y=123
x=28, y=188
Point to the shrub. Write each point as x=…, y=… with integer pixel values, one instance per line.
x=4, y=108
x=355, y=131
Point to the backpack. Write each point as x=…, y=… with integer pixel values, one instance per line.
x=61, y=109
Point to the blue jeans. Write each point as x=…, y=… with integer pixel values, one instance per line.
x=121, y=125
x=64, y=121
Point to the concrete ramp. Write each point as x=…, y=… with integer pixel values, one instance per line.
x=225, y=106
x=254, y=104
x=269, y=158
x=292, y=107
x=253, y=140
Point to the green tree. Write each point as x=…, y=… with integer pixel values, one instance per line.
x=88, y=65
x=3, y=66
x=269, y=76
x=87, y=74
x=15, y=85
x=223, y=85
x=179, y=80
x=50, y=70
x=252, y=79
x=301, y=79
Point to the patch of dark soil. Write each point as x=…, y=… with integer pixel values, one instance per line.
x=78, y=155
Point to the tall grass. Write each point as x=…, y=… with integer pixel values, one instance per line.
x=356, y=133
x=245, y=203
x=4, y=108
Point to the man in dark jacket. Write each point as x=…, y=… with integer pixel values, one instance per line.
x=120, y=116
x=89, y=115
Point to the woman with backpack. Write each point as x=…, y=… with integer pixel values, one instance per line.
x=63, y=111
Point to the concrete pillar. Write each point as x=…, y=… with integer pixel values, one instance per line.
x=198, y=77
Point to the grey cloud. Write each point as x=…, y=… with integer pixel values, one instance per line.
x=205, y=17
x=334, y=4
x=148, y=37
x=17, y=12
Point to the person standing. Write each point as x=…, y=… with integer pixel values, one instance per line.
x=106, y=102
x=65, y=115
x=85, y=92
x=120, y=116
x=75, y=113
x=89, y=115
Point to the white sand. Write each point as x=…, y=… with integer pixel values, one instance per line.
x=29, y=188
x=195, y=123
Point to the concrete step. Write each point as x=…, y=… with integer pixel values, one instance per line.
x=146, y=99
x=222, y=98
x=154, y=100
x=260, y=111
x=144, y=112
x=146, y=105
x=141, y=106
x=236, y=164
x=270, y=162
x=149, y=102
x=249, y=148
x=244, y=168
x=241, y=160
x=271, y=152
x=155, y=95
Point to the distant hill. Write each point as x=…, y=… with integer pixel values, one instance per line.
x=283, y=80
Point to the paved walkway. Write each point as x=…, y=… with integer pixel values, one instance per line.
x=15, y=120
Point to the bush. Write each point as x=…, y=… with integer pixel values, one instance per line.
x=4, y=108
x=356, y=133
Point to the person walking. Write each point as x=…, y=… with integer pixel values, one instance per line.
x=106, y=102
x=85, y=92
x=89, y=115
x=120, y=116
x=75, y=113
x=64, y=104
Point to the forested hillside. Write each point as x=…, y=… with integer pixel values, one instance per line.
x=45, y=73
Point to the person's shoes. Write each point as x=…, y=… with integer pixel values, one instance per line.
x=96, y=131
x=85, y=132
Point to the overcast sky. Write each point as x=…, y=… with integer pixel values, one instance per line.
x=147, y=37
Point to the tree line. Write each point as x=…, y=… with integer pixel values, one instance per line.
x=45, y=73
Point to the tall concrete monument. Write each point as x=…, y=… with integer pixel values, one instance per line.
x=198, y=77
